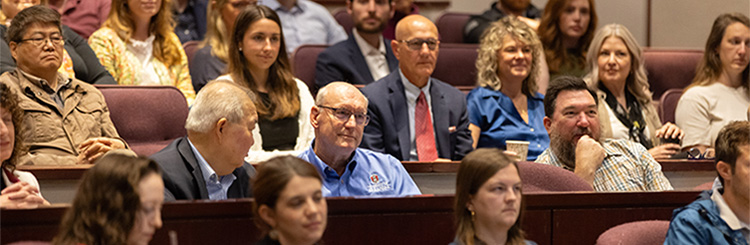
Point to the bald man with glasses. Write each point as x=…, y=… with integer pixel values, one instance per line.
x=415, y=117
x=339, y=117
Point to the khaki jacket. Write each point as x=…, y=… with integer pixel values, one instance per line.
x=651, y=117
x=53, y=135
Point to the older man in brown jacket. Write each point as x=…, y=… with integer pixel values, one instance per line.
x=66, y=121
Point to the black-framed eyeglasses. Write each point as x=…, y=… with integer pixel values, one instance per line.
x=344, y=115
x=416, y=44
x=41, y=41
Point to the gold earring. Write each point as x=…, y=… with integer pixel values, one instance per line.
x=472, y=215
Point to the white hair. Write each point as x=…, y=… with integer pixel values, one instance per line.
x=217, y=100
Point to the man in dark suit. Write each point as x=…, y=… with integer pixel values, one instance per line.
x=416, y=117
x=209, y=162
x=366, y=56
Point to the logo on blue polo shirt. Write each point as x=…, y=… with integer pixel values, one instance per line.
x=378, y=183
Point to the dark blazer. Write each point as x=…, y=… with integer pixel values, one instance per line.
x=388, y=131
x=85, y=63
x=344, y=62
x=183, y=178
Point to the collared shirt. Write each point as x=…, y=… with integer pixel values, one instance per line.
x=368, y=173
x=627, y=166
x=729, y=217
x=56, y=94
x=56, y=132
x=374, y=56
x=412, y=93
x=307, y=23
x=494, y=113
x=216, y=186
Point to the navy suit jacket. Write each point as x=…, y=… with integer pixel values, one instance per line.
x=388, y=131
x=344, y=62
x=183, y=178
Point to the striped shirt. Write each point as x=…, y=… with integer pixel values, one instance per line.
x=627, y=166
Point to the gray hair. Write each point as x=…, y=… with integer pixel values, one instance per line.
x=637, y=81
x=338, y=88
x=219, y=99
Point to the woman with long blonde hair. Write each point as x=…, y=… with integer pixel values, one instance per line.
x=137, y=46
x=618, y=75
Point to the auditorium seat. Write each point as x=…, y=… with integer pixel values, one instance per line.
x=344, y=19
x=148, y=118
x=635, y=233
x=451, y=27
x=190, y=48
x=30, y=243
x=455, y=65
x=539, y=177
x=669, y=69
x=668, y=104
x=303, y=64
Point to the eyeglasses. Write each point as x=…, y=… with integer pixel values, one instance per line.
x=41, y=41
x=344, y=115
x=416, y=44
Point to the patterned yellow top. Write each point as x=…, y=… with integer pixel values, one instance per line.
x=125, y=66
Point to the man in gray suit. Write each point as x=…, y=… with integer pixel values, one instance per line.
x=209, y=162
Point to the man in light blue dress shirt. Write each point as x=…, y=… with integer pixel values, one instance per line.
x=209, y=162
x=339, y=118
x=306, y=22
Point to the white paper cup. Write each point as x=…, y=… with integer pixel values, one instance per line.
x=521, y=148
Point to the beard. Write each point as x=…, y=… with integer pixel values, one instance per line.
x=371, y=30
x=564, y=148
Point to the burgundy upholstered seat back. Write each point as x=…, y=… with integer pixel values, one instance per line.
x=451, y=27
x=147, y=117
x=303, y=64
x=539, y=177
x=635, y=233
x=668, y=104
x=669, y=69
x=456, y=65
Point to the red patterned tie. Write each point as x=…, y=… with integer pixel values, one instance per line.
x=423, y=127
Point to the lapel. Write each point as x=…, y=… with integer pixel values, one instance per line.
x=191, y=163
x=399, y=109
x=441, y=116
x=360, y=64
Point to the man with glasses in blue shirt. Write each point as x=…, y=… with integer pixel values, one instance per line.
x=339, y=118
x=416, y=117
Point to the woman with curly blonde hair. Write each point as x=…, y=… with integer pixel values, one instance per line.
x=618, y=75
x=137, y=45
x=505, y=105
